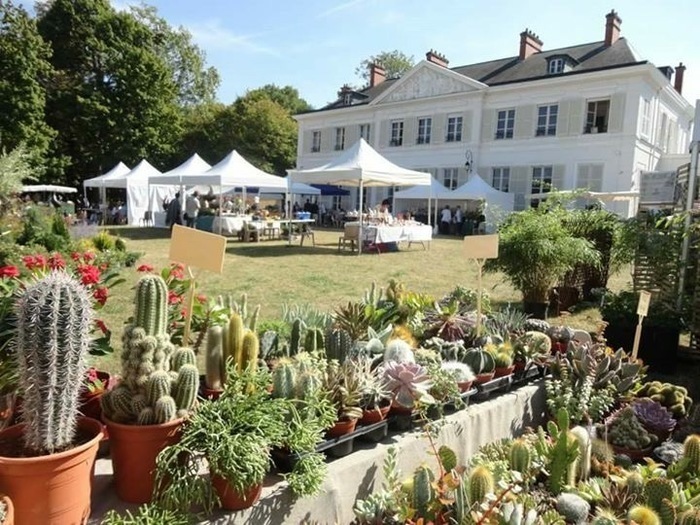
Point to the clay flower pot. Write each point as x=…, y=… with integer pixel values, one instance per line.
x=375, y=415
x=134, y=450
x=484, y=378
x=55, y=487
x=90, y=401
x=634, y=454
x=341, y=428
x=503, y=371
x=9, y=511
x=465, y=386
x=231, y=499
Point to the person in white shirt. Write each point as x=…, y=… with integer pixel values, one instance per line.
x=457, y=220
x=445, y=220
x=191, y=209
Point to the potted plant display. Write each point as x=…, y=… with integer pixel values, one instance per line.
x=158, y=389
x=46, y=461
x=462, y=373
x=409, y=384
x=343, y=386
x=375, y=398
x=536, y=250
x=235, y=435
x=627, y=435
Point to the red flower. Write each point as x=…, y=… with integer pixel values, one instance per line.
x=184, y=312
x=40, y=261
x=89, y=274
x=100, y=294
x=201, y=298
x=177, y=273
x=88, y=256
x=101, y=325
x=56, y=261
x=173, y=297
x=29, y=262
x=145, y=268
x=9, y=272
x=75, y=256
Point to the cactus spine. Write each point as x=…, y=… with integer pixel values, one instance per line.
x=480, y=484
x=635, y=483
x=250, y=351
x=520, y=457
x=656, y=490
x=234, y=341
x=691, y=451
x=151, y=305
x=338, y=345
x=54, y=319
x=690, y=517
x=284, y=380
x=214, y=358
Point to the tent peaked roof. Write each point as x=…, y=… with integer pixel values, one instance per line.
x=192, y=166
x=477, y=188
x=436, y=190
x=118, y=171
x=234, y=170
x=361, y=164
x=142, y=171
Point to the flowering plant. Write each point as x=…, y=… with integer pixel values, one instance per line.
x=94, y=384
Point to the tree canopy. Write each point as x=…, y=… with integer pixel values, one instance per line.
x=395, y=63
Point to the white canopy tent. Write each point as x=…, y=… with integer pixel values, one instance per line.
x=117, y=173
x=435, y=191
x=361, y=166
x=136, y=184
x=498, y=203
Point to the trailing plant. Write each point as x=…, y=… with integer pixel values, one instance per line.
x=146, y=515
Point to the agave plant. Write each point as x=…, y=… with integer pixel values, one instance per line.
x=447, y=323
x=507, y=324
x=409, y=384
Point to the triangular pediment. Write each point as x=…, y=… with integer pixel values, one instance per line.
x=428, y=80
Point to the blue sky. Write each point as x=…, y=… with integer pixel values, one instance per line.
x=315, y=45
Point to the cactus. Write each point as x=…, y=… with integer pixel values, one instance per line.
x=462, y=505
x=151, y=305
x=423, y=492
x=448, y=458
x=158, y=386
x=182, y=356
x=635, y=483
x=165, y=410
x=233, y=341
x=308, y=385
x=250, y=351
x=656, y=491
x=667, y=512
x=399, y=351
x=643, y=515
x=583, y=440
x=502, y=360
x=604, y=517
x=562, y=454
x=269, y=344
x=520, y=457
x=284, y=380
x=214, y=358
x=54, y=319
x=146, y=417
x=691, y=452
x=295, y=338
x=480, y=483
x=690, y=517
x=253, y=321
x=339, y=345
x=514, y=514
x=185, y=388
x=574, y=508
x=314, y=340
x=480, y=361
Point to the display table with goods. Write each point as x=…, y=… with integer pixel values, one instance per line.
x=408, y=232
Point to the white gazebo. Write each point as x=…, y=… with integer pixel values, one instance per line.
x=136, y=184
x=498, y=203
x=361, y=166
x=436, y=191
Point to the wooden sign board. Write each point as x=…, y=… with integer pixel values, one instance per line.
x=197, y=248
x=481, y=246
x=643, y=304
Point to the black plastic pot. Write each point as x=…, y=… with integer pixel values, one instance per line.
x=535, y=310
x=658, y=346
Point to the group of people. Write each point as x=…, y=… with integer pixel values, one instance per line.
x=452, y=221
x=173, y=210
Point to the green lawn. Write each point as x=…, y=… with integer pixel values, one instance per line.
x=273, y=273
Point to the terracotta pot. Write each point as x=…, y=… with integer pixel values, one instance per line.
x=484, y=378
x=90, y=401
x=465, y=386
x=212, y=393
x=341, y=428
x=55, y=488
x=521, y=366
x=231, y=499
x=400, y=410
x=634, y=454
x=9, y=511
x=7, y=409
x=134, y=450
x=503, y=371
x=369, y=417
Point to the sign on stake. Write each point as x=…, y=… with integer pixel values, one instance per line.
x=479, y=248
x=642, y=311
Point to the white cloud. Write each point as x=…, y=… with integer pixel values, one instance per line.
x=212, y=35
x=339, y=7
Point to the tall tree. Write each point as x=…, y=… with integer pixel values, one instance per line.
x=196, y=83
x=287, y=97
x=395, y=63
x=24, y=69
x=111, y=97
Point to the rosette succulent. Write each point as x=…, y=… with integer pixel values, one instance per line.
x=409, y=383
x=654, y=416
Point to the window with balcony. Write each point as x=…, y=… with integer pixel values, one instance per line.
x=450, y=178
x=547, y=121
x=454, y=129
x=396, y=133
x=505, y=124
x=425, y=125
x=315, y=142
x=501, y=178
x=597, y=116
x=339, y=139
x=364, y=132
x=541, y=182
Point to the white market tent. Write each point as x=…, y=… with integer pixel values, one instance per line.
x=361, y=166
x=136, y=184
x=498, y=203
x=49, y=188
x=435, y=191
x=162, y=185
x=118, y=172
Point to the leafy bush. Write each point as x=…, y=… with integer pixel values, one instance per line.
x=103, y=241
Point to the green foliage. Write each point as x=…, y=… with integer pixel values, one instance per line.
x=395, y=63
x=620, y=309
x=287, y=97
x=103, y=241
x=146, y=515
x=561, y=453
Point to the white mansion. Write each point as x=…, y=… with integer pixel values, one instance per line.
x=587, y=116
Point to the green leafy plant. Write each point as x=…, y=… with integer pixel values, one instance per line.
x=146, y=515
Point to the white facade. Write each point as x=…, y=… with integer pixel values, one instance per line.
x=640, y=117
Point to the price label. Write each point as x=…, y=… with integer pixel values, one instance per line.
x=481, y=246
x=197, y=248
x=643, y=305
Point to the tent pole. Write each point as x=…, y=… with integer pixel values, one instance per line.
x=221, y=205
x=360, y=236
x=288, y=205
x=430, y=211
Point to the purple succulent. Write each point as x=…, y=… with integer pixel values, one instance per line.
x=408, y=382
x=653, y=415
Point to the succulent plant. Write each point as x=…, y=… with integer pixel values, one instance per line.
x=520, y=456
x=536, y=325
x=583, y=464
x=339, y=345
x=398, y=350
x=674, y=398
x=604, y=517
x=373, y=385
x=654, y=416
x=626, y=431
x=690, y=517
x=461, y=371
x=502, y=360
x=643, y=515
x=480, y=361
x=409, y=383
x=54, y=319
x=573, y=507
x=343, y=385
x=513, y=513
x=480, y=482
x=561, y=334
x=532, y=346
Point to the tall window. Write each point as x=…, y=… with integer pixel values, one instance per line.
x=505, y=124
x=645, y=128
x=590, y=177
x=336, y=202
x=315, y=142
x=454, y=129
x=425, y=125
x=541, y=182
x=339, y=138
x=662, y=135
x=556, y=65
x=450, y=178
x=396, y=133
x=364, y=132
x=597, y=115
x=547, y=121
x=501, y=179
x=365, y=204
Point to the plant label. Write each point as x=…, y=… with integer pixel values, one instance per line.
x=198, y=249
x=643, y=305
x=481, y=246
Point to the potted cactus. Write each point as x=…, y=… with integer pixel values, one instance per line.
x=46, y=461
x=530, y=348
x=627, y=436
x=343, y=386
x=375, y=398
x=482, y=363
x=158, y=389
x=654, y=417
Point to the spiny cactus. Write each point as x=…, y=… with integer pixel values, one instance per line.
x=151, y=305
x=691, y=451
x=604, y=517
x=643, y=515
x=214, y=358
x=502, y=359
x=423, y=491
x=573, y=507
x=399, y=351
x=520, y=456
x=339, y=345
x=690, y=517
x=562, y=454
x=54, y=319
x=635, y=483
x=480, y=483
x=284, y=377
x=250, y=351
x=656, y=490
x=314, y=341
x=583, y=440
x=667, y=512
x=233, y=341
x=295, y=338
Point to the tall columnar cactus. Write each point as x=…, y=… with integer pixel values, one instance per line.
x=583, y=440
x=54, y=318
x=339, y=345
x=214, y=358
x=423, y=491
x=250, y=350
x=480, y=484
x=233, y=341
x=314, y=340
x=159, y=383
x=691, y=451
x=295, y=338
x=563, y=453
x=520, y=456
x=284, y=380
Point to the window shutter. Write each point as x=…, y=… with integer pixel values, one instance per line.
x=558, y=172
x=576, y=114
x=352, y=135
x=438, y=129
x=563, y=118
x=467, y=124
x=524, y=122
x=385, y=133
x=617, y=113
x=410, y=131
x=307, y=141
x=519, y=184
x=487, y=125
x=673, y=139
x=327, y=139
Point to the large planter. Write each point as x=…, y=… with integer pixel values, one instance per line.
x=50, y=489
x=341, y=428
x=9, y=511
x=231, y=499
x=134, y=449
x=535, y=310
x=658, y=346
x=375, y=415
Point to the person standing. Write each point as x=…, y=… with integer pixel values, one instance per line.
x=172, y=216
x=445, y=220
x=192, y=209
x=458, y=218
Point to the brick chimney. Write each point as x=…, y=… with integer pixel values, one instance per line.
x=678, y=81
x=612, y=28
x=377, y=75
x=530, y=44
x=436, y=58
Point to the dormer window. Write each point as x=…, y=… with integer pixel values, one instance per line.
x=347, y=99
x=556, y=65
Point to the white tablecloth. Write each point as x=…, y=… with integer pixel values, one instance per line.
x=398, y=233
x=229, y=225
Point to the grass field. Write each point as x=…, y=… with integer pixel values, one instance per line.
x=273, y=273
